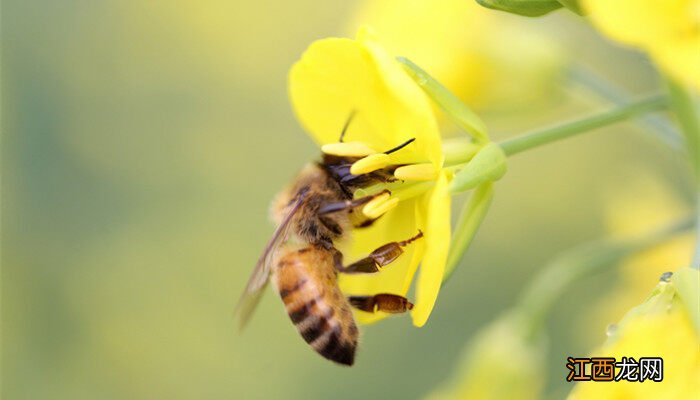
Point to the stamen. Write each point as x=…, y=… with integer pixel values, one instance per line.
x=347, y=124
x=349, y=149
x=379, y=205
x=416, y=172
x=411, y=190
x=370, y=163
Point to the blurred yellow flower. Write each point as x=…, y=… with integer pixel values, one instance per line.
x=499, y=363
x=667, y=30
x=644, y=206
x=660, y=327
x=487, y=59
x=337, y=78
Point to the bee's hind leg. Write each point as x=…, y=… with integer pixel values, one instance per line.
x=380, y=257
x=390, y=303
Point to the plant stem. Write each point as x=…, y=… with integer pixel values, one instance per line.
x=548, y=135
x=695, y=263
x=687, y=115
x=658, y=126
x=471, y=217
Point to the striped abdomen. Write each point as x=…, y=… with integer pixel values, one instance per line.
x=307, y=284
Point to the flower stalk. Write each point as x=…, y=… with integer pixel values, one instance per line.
x=687, y=114
x=544, y=136
x=473, y=213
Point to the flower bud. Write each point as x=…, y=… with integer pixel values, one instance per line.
x=488, y=165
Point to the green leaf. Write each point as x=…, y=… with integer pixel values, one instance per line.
x=527, y=8
x=462, y=115
x=488, y=165
x=473, y=213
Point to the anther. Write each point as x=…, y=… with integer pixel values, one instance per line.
x=370, y=163
x=416, y=172
x=379, y=206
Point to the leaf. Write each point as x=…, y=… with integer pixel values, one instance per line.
x=572, y=5
x=527, y=8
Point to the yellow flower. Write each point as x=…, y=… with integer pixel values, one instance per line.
x=668, y=30
x=487, y=59
x=660, y=327
x=337, y=78
x=644, y=206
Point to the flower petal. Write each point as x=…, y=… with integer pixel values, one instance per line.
x=681, y=59
x=667, y=30
x=437, y=246
x=336, y=77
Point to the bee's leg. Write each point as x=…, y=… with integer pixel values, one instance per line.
x=384, y=175
x=390, y=303
x=348, y=204
x=378, y=258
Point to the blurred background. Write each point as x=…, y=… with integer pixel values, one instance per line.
x=143, y=141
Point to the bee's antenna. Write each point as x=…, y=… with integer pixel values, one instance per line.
x=401, y=146
x=347, y=124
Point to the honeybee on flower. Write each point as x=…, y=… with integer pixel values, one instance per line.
x=354, y=227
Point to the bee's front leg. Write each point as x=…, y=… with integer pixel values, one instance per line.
x=380, y=257
x=348, y=204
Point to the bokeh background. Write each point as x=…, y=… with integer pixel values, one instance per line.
x=142, y=142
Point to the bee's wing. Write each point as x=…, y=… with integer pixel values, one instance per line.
x=260, y=277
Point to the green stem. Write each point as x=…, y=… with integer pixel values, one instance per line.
x=548, y=135
x=695, y=263
x=551, y=283
x=689, y=121
x=658, y=126
x=687, y=114
x=468, y=223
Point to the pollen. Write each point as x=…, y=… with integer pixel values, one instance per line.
x=379, y=205
x=416, y=172
x=349, y=149
x=370, y=163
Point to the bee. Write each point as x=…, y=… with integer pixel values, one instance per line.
x=313, y=214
